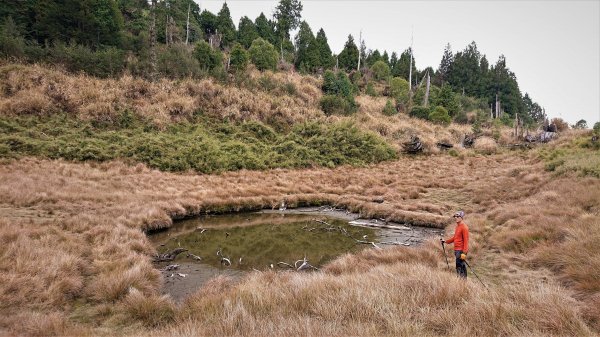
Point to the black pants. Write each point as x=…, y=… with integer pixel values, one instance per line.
x=461, y=266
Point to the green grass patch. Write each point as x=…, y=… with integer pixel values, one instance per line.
x=205, y=145
x=581, y=156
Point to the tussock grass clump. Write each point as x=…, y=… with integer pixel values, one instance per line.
x=152, y=310
x=485, y=145
x=382, y=300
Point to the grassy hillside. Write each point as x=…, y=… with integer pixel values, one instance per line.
x=85, y=170
x=89, y=217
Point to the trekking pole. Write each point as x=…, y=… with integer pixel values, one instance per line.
x=446, y=256
x=473, y=271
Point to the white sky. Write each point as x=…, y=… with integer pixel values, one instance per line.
x=553, y=47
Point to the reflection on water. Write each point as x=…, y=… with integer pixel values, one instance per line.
x=255, y=241
x=259, y=241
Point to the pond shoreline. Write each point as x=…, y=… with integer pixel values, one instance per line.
x=190, y=275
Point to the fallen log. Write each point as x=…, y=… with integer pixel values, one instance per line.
x=170, y=256
x=365, y=223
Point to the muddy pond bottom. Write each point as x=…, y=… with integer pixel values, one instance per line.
x=235, y=244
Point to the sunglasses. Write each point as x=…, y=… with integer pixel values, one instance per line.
x=456, y=216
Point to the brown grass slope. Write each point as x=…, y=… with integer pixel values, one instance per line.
x=74, y=259
x=39, y=90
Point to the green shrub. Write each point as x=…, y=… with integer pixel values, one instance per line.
x=329, y=83
x=263, y=54
x=176, y=61
x=419, y=111
x=381, y=71
x=440, y=115
x=337, y=105
x=207, y=57
x=371, y=90
x=448, y=99
x=238, y=58
x=399, y=89
x=76, y=58
x=461, y=118
x=597, y=128
x=12, y=44
x=267, y=82
x=207, y=145
x=290, y=88
x=339, y=94
x=389, y=108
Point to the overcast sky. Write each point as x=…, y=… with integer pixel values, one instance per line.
x=553, y=47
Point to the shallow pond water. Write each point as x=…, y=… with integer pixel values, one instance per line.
x=265, y=240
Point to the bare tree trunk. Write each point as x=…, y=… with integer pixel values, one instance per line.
x=426, y=100
x=359, y=45
x=187, y=26
x=153, y=66
x=497, y=106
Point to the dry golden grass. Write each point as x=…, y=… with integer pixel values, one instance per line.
x=40, y=90
x=85, y=222
x=485, y=145
x=75, y=260
x=399, y=128
x=392, y=298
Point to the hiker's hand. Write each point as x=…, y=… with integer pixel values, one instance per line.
x=442, y=240
x=463, y=256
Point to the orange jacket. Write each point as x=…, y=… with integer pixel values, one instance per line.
x=461, y=237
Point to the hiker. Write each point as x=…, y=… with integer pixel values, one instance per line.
x=461, y=243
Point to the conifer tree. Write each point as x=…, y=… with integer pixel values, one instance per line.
x=247, y=32
x=326, y=59
x=348, y=58
x=287, y=14
x=402, y=67
x=385, y=57
x=304, y=39
x=225, y=26
x=373, y=57
x=393, y=60
x=265, y=28
x=208, y=23
x=445, y=65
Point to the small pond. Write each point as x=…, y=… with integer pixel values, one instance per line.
x=235, y=244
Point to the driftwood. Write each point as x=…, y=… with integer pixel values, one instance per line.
x=444, y=145
x=519, y=146
x=224, y=260
x=530, y=139
x=304, y=265
x=385, y=224
x=195, y=257
x=171, y=267
x=546, y=136
x=469, y=140
x=170, y=256
x=414, y=146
